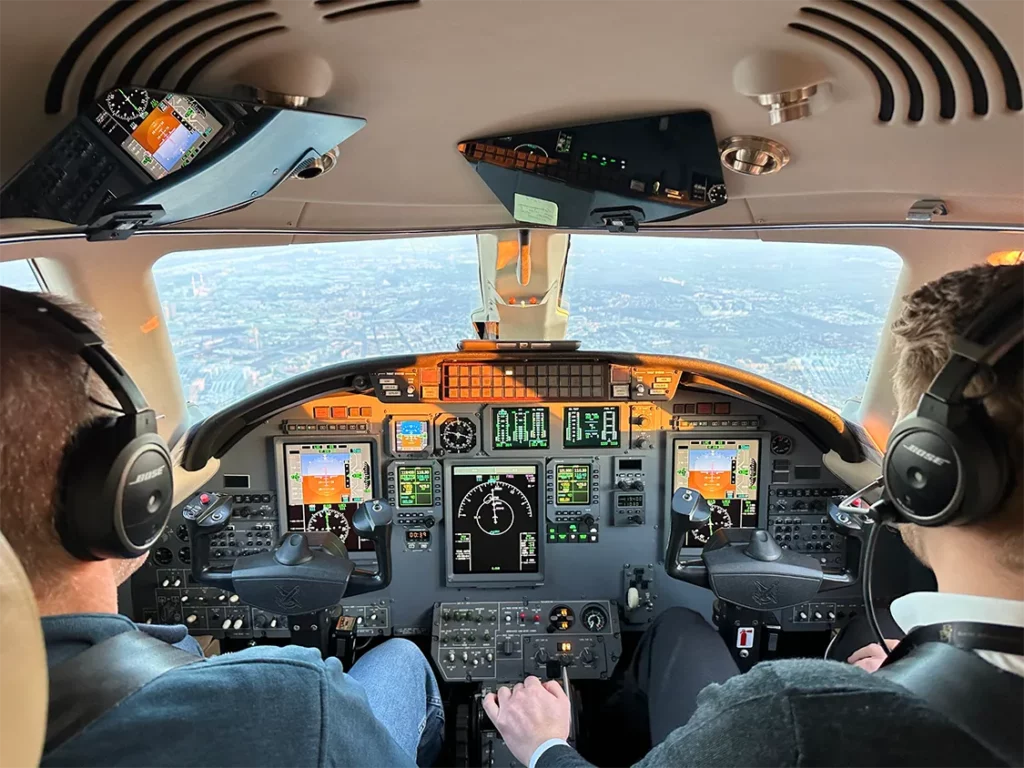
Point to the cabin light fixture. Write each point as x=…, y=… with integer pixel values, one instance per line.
x=753, y=155
x=316, y=166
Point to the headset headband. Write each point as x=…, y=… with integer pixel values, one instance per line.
x=986, y=341
x=29, y=307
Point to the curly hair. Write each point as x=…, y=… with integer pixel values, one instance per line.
x=932, y=317
x=46, y=393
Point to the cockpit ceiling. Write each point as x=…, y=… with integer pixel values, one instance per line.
x=925, y=95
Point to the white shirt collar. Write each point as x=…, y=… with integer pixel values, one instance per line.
x=919, y=609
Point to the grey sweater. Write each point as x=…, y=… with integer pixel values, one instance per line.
x=803, y=712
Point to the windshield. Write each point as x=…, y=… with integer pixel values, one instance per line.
x=803, y=314
x=244, y=318
x=18, y=274
x=806, y=315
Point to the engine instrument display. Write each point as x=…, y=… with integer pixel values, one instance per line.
x=415, y=485
x=592, y=427
x=725, y=473
x=495, y=519
x=160, y=136
x=325, y=483
x=519, y=428
x=572, y=485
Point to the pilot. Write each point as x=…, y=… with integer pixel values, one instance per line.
x=260, y=706
x=809, y=712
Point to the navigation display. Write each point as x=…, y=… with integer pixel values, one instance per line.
x=519, y=428
x=572, y=485
x=160, y=136
x=725, y=473
x=325, y=482
x=495, y=524
x=415, y=486
x=592, y=427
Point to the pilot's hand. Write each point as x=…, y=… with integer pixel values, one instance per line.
x=528, y=715
x=870, y=657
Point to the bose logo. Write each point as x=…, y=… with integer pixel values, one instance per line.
x=926, y=455
x=143, y=477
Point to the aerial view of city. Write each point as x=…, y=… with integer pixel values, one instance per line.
x=808, y=316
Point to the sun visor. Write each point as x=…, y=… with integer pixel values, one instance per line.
x=139, y=158
x=611, y=176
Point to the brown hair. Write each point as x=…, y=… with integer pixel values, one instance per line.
x=932, y=317
x=46, y=395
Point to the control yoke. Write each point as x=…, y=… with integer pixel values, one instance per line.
x=743, y=566
x=307, y=572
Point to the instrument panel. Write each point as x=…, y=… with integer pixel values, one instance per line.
x=542, y=486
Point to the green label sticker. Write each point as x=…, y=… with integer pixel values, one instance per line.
x=535, y=210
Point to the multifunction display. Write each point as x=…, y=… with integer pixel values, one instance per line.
x=725, y=473
x=415, y=485
x=592, y=427
x=160, y=136
x=572, y=485
x=495, y=520
x=326, y=482
x=519, y=428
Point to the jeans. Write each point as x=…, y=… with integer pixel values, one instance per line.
x=404, y=697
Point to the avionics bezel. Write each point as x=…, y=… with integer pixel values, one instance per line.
x=669, y=448
x=493, y=580
x=279, y=444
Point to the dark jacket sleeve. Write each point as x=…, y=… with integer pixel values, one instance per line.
x=730, y=730
x=561, y=756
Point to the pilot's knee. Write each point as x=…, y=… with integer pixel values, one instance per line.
x=677, y=621
x=400, y=651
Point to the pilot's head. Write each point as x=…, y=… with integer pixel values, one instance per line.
x=47, y=392
x=932, y=316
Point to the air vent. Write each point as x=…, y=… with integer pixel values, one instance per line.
x=178, y=27
x=337, y=9
x=849, y=25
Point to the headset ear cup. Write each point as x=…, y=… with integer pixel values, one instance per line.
x=937, y=476
x=80, y=507
x=116, y=491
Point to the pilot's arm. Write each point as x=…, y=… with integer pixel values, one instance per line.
x=747, y=721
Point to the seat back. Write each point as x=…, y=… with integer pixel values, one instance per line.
x=25, y=689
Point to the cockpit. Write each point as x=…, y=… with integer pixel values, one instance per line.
x=512, y=379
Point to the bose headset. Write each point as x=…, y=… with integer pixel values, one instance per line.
x=115, y=486
x=947, y=463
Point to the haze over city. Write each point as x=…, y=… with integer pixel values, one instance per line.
x=808, y=316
